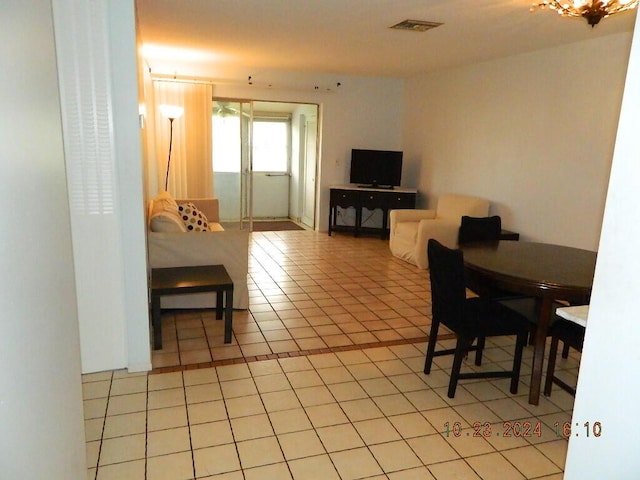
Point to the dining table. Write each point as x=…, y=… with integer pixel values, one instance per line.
x=547, y=272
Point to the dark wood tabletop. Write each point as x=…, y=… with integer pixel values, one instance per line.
x=548, y=272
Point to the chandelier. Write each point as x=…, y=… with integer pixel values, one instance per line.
x=591, y=10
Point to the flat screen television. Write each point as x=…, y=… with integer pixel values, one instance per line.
x=376, y=168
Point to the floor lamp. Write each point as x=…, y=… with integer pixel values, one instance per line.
x=171, y=112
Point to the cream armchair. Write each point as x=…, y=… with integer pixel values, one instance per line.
x=411, y=229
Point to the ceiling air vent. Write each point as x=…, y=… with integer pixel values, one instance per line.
x=416, y=25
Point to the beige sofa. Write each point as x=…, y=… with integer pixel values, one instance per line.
x=171, y=245
x=410, y=230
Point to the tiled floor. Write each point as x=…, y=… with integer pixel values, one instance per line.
x=355, y=412
x=308, y=292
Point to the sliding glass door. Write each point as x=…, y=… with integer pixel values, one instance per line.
x=264, y=161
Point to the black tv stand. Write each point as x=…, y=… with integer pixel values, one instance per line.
x=380, y=187
x=361, y=197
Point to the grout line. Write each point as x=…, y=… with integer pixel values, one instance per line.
x=298, y=353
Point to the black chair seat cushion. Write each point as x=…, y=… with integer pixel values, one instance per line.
x=490, y=319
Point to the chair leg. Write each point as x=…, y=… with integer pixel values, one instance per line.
x=551, y=366
x=457, y=365
x=517, y=361
x=565, y=350
x=431, y=346
x=480, y=348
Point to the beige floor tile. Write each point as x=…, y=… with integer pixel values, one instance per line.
x=95, y=408
x=163, y=442
x=457, y=469
x=210, y=434
x=313, y=468
x=237, y=388
x=119, y=405
x=272, y=383
x=314, y=396
x=172, y=397
x=364, y=409
x=286, y=421
x=295, y=364
x=130, y=470
x=356, y=463
x=394, y=404
x=125, y=386
x=555, y=451
x=189, y=357
x=432, y=449
x=93, y=429
x=340, y=437
x=395, y=456
x=530, y=462
x=248, y=428
x=347, y=391
x=278, y=471
x=206, y=412
x=199, y=376
x=122, y=449
x=376, y=387
x=244, y=406
x=300, y=444
x=259, y=452
x=99, y=389
x=301, y=379
x=494, y=466
x=326, y=415
x=365, y=371
x=177, y=466
x=126, y=424
x=264, y=367
x=379, y=430
x=282, y=400
x=233, y=372
x=411, y=425
x=215, y=460
x=206, y=392
x=165, y=381
x=420, y=473
x=164, y=418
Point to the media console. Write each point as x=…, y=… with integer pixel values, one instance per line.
x=358, y=197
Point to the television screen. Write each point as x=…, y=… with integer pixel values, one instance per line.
x=376, y=168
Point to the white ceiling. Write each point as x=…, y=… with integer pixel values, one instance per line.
x=232, y=39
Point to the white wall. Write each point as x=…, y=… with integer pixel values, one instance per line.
x=608, y=389
x=41, y=428
x=362, y=113
x=532, y=133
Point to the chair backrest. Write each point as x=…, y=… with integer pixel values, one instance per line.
x=446, y=271
x=453, y=207
x=479, y=229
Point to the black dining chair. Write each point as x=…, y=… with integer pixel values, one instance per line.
x=479, y=229
x=572, y=335
x=468, y=318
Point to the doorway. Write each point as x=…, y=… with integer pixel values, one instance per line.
x=265, y=161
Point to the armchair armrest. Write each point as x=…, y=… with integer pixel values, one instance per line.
x=444, y=230
x=410, y=215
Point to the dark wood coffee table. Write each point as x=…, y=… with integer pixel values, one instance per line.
x=185, y=280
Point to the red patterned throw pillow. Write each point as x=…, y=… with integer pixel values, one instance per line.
x=194, y=220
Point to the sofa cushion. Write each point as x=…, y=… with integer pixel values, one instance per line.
x=194, y=220
x=166, y=222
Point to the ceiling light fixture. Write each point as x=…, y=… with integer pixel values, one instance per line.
x=591, y=10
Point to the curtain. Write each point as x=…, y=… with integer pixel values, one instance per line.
x=191, y=171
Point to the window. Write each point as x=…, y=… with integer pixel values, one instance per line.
x=270, y=145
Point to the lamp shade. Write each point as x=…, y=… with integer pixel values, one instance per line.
x=171, y=111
